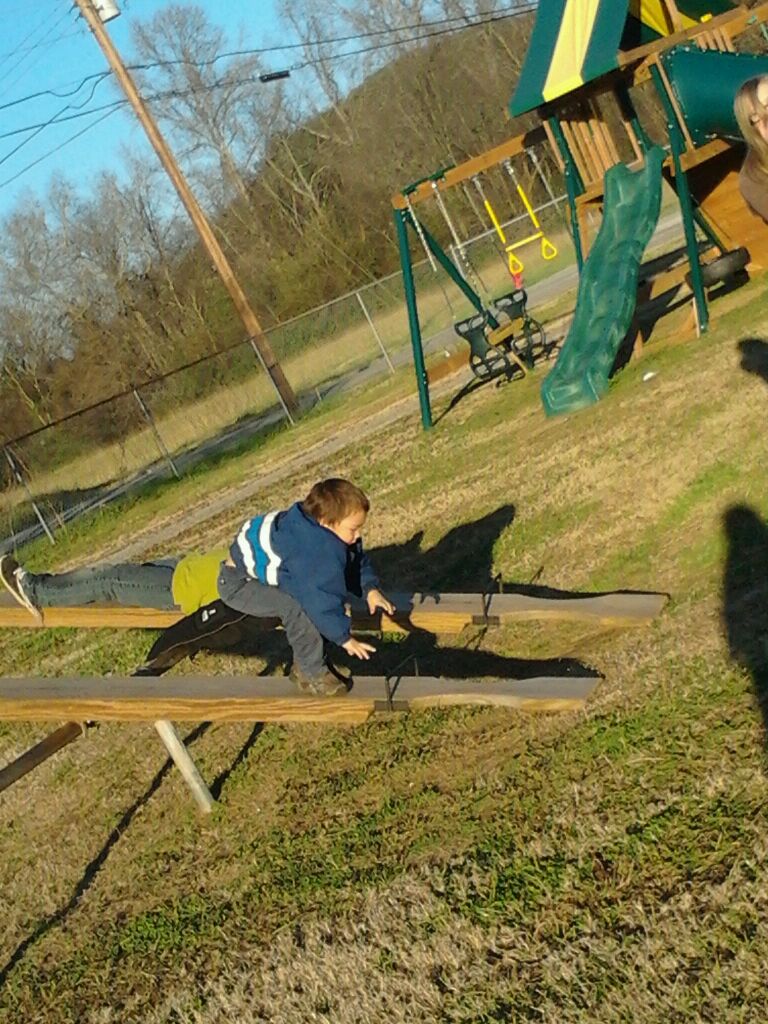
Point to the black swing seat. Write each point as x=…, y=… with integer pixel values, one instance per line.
x=485, y=360
x=531, y=342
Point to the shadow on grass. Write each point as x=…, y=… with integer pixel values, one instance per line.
x=461, y=560
x=420, y=654
x=754, y=356
x=745, y=597
x=461, y=394
x=94, y=866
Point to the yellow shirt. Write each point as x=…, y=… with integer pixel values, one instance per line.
x=194, y=579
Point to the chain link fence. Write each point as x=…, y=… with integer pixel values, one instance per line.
x=163, y=426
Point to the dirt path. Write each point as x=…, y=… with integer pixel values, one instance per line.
x=350, y=434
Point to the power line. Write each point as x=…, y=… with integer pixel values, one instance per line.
x=514, y=10
x=35, y=60
x=248, y=80
x=36, y=46
x=46, y=124
x=24, y=56
x=51, y=92
x=114, y=106
x=519, y=10
x=520, y=7
x=56, y=149
x=24, y=40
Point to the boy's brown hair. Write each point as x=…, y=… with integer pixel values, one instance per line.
x=334, y=499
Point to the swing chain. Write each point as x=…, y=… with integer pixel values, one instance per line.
x=420, y=233
x=469, y=270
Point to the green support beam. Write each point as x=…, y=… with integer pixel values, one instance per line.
x=573, y=185
x=455, y=275
x=422, y=382
x=677, y=143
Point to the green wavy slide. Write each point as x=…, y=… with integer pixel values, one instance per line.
x=607, y=287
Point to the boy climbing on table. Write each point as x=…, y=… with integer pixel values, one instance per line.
x=300, y=565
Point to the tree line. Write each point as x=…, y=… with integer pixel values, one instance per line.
x=105, y=290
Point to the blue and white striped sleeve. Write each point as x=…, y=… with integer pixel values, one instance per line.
x=252, y=551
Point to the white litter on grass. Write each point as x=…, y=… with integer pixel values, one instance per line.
x=649, y=375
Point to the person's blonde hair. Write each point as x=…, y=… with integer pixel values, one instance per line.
x=745, y=106
x=334, y=499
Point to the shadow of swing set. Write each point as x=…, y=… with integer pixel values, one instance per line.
x=582, y=65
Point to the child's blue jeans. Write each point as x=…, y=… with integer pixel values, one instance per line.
x=253, y=598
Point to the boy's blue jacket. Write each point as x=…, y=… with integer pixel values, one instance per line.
x=292, y=551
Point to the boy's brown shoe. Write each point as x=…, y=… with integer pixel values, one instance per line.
x=325, y=685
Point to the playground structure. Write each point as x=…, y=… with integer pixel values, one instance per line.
x=585, y=64
x=265, y=698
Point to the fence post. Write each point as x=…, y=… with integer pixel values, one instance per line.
x=19, y=478
x=375, y=332
x=263, y=365
x=158, y=439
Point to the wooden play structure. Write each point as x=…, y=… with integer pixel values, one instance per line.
x=588, y=66
x=275, y=699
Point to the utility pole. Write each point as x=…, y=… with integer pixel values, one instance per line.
x=90, y=12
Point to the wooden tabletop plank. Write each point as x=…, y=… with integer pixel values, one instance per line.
x=437, y=613
x=271, y=698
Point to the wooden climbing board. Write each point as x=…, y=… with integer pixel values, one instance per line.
x=436, y=613
x=272, y=698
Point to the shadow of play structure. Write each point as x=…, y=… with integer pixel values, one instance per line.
x=586, y=67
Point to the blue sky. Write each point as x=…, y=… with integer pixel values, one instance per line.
x=47, y=46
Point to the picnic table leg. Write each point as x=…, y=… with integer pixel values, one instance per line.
x=181, y=758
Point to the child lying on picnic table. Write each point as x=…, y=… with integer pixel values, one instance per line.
x=186, y=583
x=323, y=562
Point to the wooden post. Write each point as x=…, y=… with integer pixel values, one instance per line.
x=674, y=15
x=40, y=752
x=181, y=758
x=208, y=238
x=554, y=147
x=673, y=102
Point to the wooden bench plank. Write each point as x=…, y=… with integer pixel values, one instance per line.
x=271, y=698
x=437, y=613
x=617, y=609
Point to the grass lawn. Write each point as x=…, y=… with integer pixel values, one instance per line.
x=468, y=865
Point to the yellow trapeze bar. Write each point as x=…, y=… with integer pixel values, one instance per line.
x=548, y=249
x=525, y=241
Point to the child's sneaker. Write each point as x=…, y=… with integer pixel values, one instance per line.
x=12, y=576
x=325, y=685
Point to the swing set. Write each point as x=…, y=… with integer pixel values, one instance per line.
x=504, y=339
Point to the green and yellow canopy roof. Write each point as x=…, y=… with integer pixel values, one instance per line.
x=576, y=41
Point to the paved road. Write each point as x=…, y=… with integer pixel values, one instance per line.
x=539, y=294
